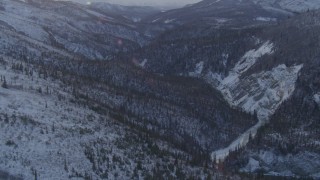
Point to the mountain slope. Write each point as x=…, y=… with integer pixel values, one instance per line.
x=134, y=13
x=230, y=13
x=71, y=27
x=231, y=82
x=49, y=133
x=290, y=5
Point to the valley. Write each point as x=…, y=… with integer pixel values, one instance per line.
x=215, y=90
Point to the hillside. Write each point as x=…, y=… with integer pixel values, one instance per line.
x=224, y=89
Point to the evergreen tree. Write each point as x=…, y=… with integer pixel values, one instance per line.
x=4, y=84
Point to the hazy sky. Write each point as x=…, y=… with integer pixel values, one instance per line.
x=161, y=3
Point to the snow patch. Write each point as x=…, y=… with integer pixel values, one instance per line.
x=169, y=21
x=241, y=141
x=222, y=20
x=252, y=56
x=155, y=20
x=253, y=165
x=94, y=13
x=316, y=98
x=260, y=93
x=225, y=59
x=143, y=63
x=198, y=70
x=266, y=19
x=214, y=2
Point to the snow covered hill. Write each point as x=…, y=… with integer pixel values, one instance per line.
x=230, y=13
x=290, y=5
x=40, y=124
x=134, y=13
x=234, y=13
x=72, y=27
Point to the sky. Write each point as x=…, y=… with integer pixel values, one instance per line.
x=159, y=3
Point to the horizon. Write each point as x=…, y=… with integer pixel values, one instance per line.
x=154, y=3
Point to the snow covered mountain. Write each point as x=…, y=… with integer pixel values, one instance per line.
x=219, y=13
x=135, y=13
x=72, y=27
x=218, y=86
x=290, y=5
x=234, y=13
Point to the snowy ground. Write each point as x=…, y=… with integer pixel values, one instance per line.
x=198, y=69
x=316, y=98
x=45, y=132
